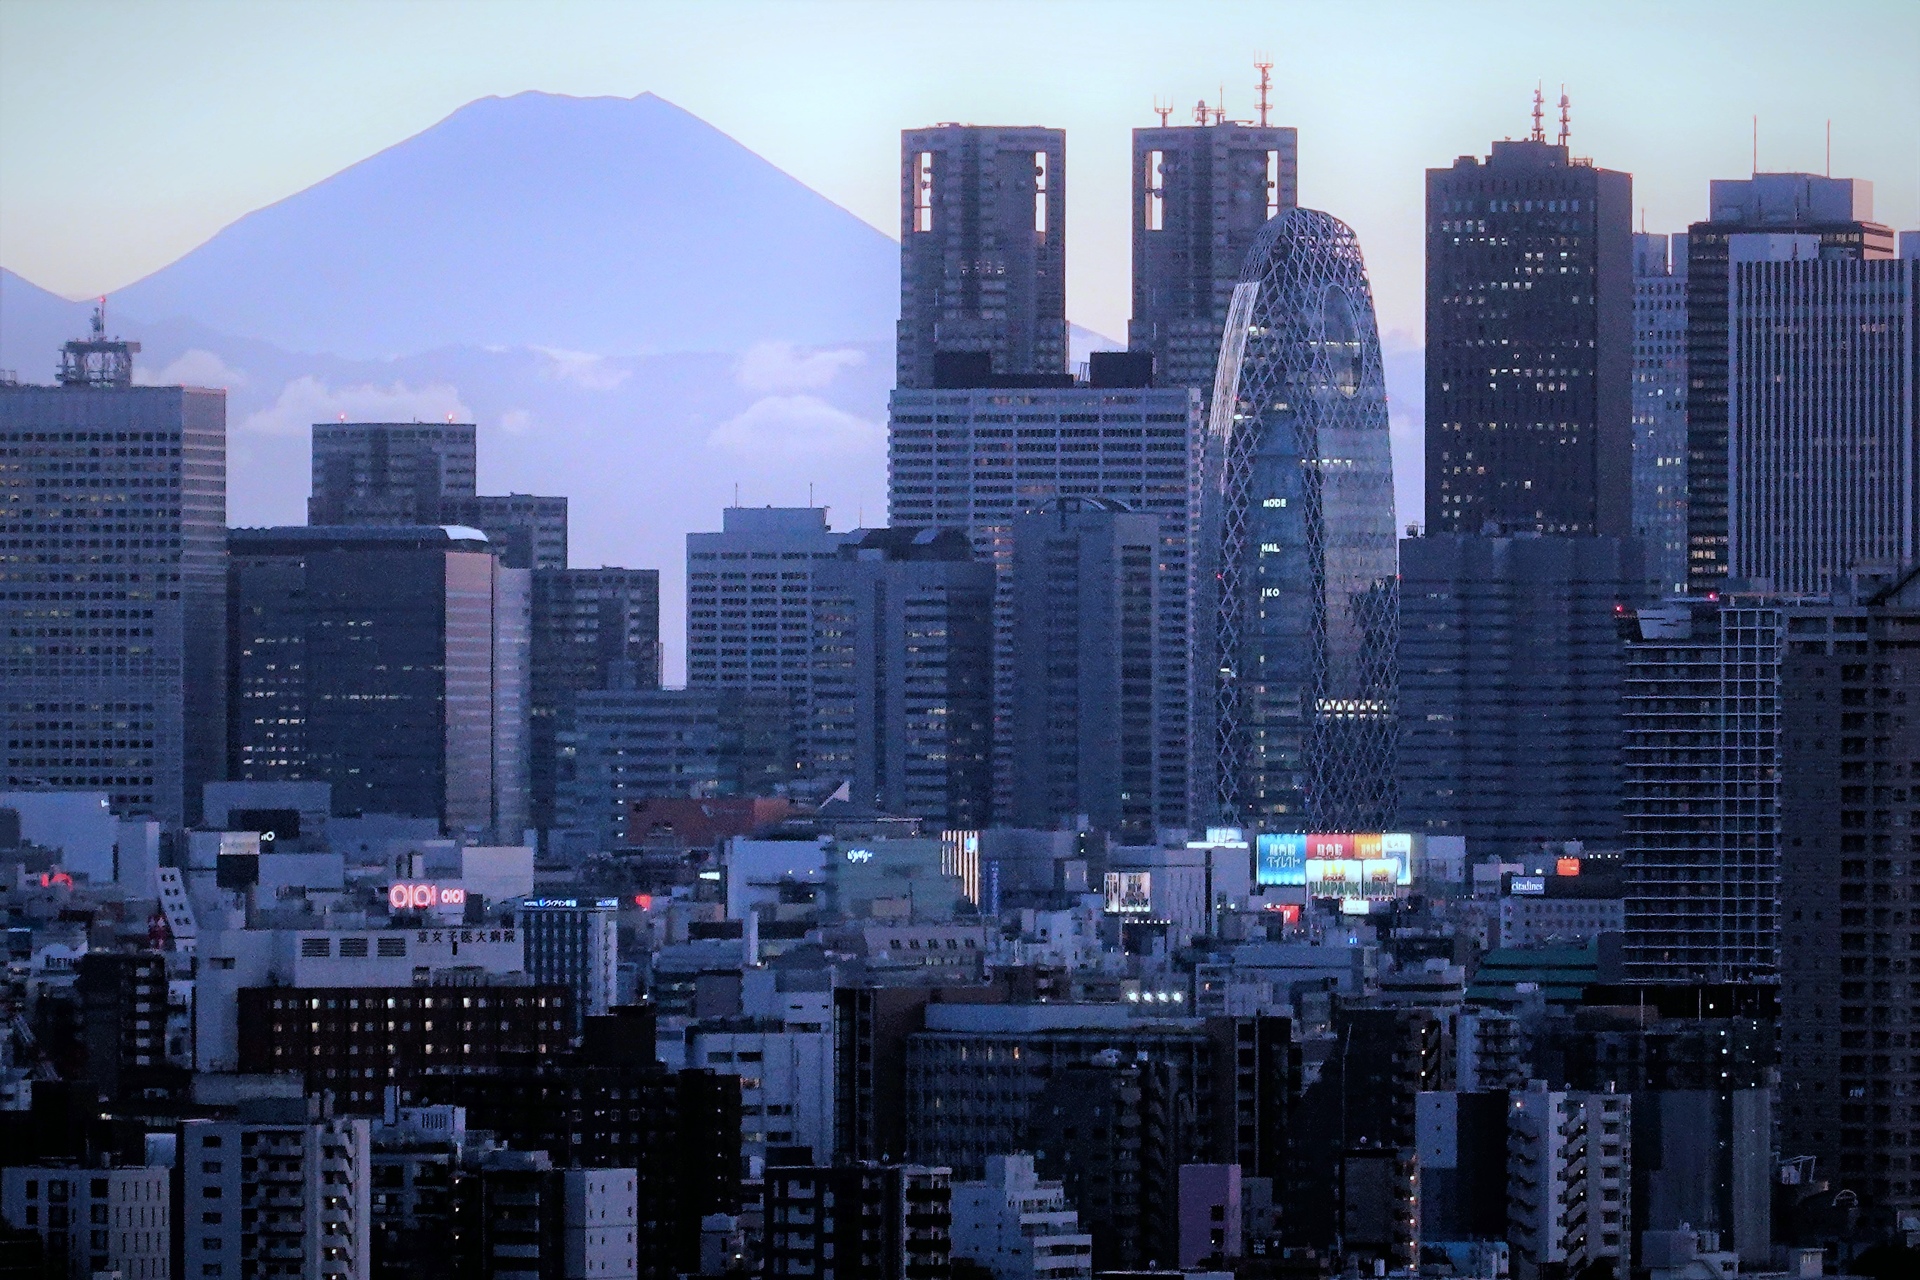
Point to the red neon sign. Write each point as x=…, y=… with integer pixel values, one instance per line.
x=419, y=897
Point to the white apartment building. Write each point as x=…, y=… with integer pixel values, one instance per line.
x=1019, y=1227
x=1568, y=1170
x=290, y=1199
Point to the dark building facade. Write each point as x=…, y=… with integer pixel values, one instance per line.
x=593, y=629
x=1834, y=213
x=983, y=249
x=1510, y=678
x=865, y=1220
x=390, y=663
x=1201, y=193
x=1529, y=342
x=1087, y=679
x=389, y=473
x=1114, y=1134
x=902, y=697
x=123, y=1022
x=1849, y=760
x=530, y=531
x=113, y=513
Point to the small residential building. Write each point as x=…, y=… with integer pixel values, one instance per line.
x=1018, y=1226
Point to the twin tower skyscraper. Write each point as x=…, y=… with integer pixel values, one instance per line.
x=1248, y=416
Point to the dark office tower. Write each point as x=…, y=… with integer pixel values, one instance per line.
x=1510, y=671
x=388, y=662
x=1529, y=342
x=1294, y=654
x=123, y=1022
x=1833, y=215
x=529, y=531
x=983, y=249
x=1849, y=754
x=1699, y=803
x=1085, y=588
x=593, y=629
x=903, y=674
x=113, y=513
x=1201, y=193
x=389, y=473
x=1660, y=409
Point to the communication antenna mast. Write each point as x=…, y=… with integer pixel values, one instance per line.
x=1564, y=105
x=1265, y=66
x=1162, y=112
x=1200, y=111
x=1539, y=133
x=97, y=360
x=1220, y=112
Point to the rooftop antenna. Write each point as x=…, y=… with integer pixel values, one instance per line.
x=100, y=318
x=1200, y=111
x=1564, y=104
x=1829, y=148
x=1220, y=112
x=1162, y=112
x=1539, y=133
x=1265, y=66
x=1756, y=146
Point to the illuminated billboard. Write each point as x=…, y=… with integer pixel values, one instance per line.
x=1129, y=893
x=1322, y=862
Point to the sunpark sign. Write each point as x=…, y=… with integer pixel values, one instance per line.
x=424, y=897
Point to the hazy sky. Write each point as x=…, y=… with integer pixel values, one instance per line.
x=130, y=132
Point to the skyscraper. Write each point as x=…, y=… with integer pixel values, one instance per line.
x=1296, y=614
x=1086, y=666
x=1836, y=213
x=113, y=513
x=1201, y=193
x=902, y=696
x=1511, y=665
x=1660, y=408
x=983, y=260
x=390, y=663
x=1847, y=764
x=529, y=531
x=1529, y=342
x=1701, y=719
x=978, y=459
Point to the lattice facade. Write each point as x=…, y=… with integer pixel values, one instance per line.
x=1299, y=598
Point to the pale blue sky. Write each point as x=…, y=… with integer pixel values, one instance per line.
x=130, y=132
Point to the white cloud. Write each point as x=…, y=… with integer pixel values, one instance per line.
x=772, y=367
x=307, y=400
x=195, y=368
x=582, y=368
x=796, y=428
x=516, y=422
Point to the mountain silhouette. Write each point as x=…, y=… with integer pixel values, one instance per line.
x=596, y=225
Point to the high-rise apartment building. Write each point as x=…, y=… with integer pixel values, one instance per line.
x=1086, y=675
x=1510, y=674
x=288, y=1193
x=401, y=473
x=750, y=602
x=1701, y=720
x=593, y=629
x=902, y=696
x=1201, y=193
x=1529, y=342
x=979, y=459
x=1848, y=758
x=113, y=513
x=1569, y=1173
x=867, y=1220
x=1660, y=408
x=390, y=663
x=1837, y=214
x=983, y=258
x=92, y=1221
x=1295, y=616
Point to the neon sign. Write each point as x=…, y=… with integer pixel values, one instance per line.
x=421, y=897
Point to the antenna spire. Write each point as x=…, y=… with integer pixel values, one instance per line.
x=1265, y=67
x=1539, y=133
x=1162, y=112
x=1200, y=111
x=1564, y=105
x=1220, y=111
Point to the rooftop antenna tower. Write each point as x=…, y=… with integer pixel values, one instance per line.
x=1200, y=111
x=1220, y=111
x=97, y=361
x=1162, y=112
x=1265, y=67
x=1564, y=105
x=1539, y=133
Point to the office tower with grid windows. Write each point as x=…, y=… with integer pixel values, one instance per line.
x=1825, y=218
x=1529, y=342
x=1297, y=609
x=978, y=459
x=750, y=602
x=1201, y=193
x=983, y=259
x=113, y=513
x=390, y=663
x=1660, y=408
x=1700, y=799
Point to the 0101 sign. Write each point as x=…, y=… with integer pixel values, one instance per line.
x=424, y=897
